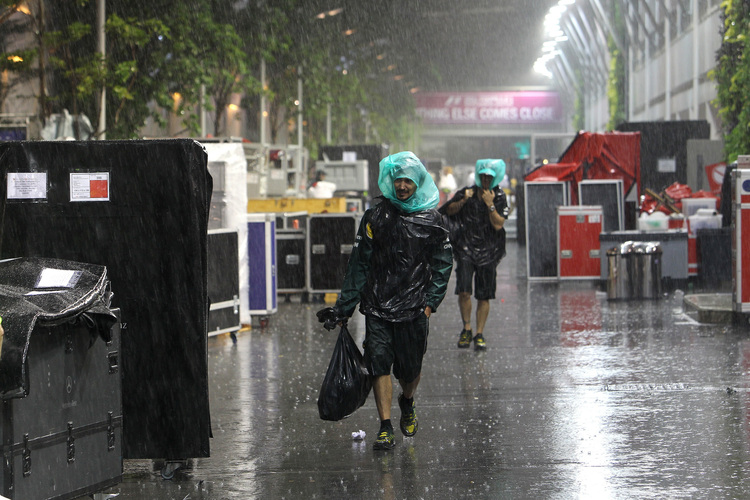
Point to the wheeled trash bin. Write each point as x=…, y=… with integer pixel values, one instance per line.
x=60, y=380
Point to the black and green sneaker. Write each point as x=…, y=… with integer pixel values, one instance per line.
x=385, y=440
x=464, y=340
x=408, y=421
x=479, y=344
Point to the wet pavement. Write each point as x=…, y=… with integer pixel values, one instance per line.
x=575, y=397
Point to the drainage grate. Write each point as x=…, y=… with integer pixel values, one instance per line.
x=646, y=387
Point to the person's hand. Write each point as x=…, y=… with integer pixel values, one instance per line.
x=330, y=317
x=428, y=311
x=488, y=196
x=469, y=193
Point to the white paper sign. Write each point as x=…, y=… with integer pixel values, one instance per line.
x=27, y=186
x=668, y=165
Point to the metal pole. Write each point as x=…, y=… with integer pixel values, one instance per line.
x=696, y=61
x=328, y=123
x=667, y=68
x=300, y=143
x=102, y=49
x=202, y=109
x=263, y=103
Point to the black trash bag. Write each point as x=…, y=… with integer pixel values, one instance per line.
x=347, y=382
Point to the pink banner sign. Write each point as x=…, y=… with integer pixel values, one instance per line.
x=489, y=108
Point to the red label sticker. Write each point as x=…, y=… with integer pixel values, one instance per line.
x=98, y=189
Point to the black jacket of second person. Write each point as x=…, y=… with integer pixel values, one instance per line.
x=472, y=235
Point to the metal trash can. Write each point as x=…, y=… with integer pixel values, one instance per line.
x=619, y=276
x=647, y=270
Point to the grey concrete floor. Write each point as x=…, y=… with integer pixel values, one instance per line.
x=575, y=397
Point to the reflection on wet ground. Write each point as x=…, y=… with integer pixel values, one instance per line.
x=575, y=397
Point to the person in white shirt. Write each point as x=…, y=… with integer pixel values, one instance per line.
x=321, y=188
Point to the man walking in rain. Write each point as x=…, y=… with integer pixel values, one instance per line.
x=398, y=272
x=476, y=215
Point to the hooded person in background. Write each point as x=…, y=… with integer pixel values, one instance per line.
x=476, y=215
x=398, y=273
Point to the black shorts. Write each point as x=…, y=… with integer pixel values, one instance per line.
x=398, y=345
x=485, y=279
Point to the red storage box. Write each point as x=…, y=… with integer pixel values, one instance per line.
x=578, y=228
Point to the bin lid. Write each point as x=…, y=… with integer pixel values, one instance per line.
x=647, y=247
x=626, y=247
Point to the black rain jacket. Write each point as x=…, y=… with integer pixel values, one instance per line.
x=401, y=263
x=472, y=235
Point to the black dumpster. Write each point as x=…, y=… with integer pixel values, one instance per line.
x=60, y=380
x=715, y=258
x=141, y=209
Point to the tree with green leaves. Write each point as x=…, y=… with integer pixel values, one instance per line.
x=732, y=75
x=157, y=49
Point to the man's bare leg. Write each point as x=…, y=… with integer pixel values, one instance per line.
x=383, y=389
x=464, y=305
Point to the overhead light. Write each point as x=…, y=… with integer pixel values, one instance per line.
x=330, y=13
x=554, y=35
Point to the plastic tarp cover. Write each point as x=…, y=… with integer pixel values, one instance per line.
x=140, y=208
x=234, y=191
x=47, y=292
x=611, y=155
x=406, y=165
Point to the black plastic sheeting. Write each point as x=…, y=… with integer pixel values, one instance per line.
x=50, y=292
x=151, y=234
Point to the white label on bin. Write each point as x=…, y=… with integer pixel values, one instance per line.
x=595, y=219
x=292, y=260
x=27, y=186
x=57, y=278
x=90, y=186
